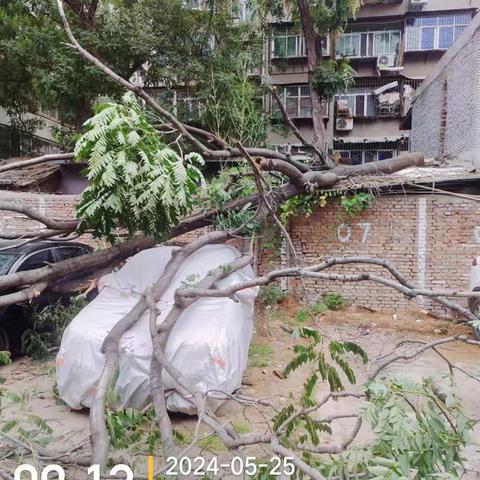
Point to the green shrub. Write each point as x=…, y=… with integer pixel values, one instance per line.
x=302, y=316
x=272, y=295
x=318, y=308
x=48, y=326
x=133, y=429
x=334, y=301
x=357, y=203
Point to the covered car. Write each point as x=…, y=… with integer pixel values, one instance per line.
x=208, y=344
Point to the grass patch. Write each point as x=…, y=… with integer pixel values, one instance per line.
x=212, y=444
x=242, y=428
x=259, y=355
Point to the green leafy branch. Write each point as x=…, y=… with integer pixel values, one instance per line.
x=136, y=181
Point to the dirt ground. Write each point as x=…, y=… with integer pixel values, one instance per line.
x=376, y=332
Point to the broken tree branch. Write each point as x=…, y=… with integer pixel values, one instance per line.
x=99, y=435
x=52, y=224
x=315, y=271
x=76, y=265
x=35, y=161
x=23, y=296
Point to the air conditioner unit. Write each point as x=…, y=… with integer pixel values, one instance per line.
x=344, y=124
x=418, y=4
x=384, y=62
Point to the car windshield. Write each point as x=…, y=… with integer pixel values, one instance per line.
x=6, y=261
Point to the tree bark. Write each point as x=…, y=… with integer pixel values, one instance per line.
x=68, y=268
x=314, y=59
x=99, y=435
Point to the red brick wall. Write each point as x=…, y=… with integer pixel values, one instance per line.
x=55, y=206
x=430, y=238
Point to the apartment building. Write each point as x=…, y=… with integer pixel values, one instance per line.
x=15, y=143
x=392, y=45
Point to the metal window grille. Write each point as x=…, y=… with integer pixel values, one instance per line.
x=289, y=43
x=297, y=102
x=437, y=32
x=368, y=44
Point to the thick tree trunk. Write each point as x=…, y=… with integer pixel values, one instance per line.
x=314, y=59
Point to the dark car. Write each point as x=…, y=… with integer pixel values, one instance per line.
x=15, y=319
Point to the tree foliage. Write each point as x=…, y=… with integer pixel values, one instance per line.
x=168, y=44
x=136, y=181
x=416, y=435
x=333, y=77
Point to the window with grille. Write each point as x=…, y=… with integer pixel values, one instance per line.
x=287, y=43
x=368, y=44
x=296, y=99
x=360, y=104
x=358, y=157
x=194, y=4
x=435, y=32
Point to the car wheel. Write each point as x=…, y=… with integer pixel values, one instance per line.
x=475, y=309
x=4, y=341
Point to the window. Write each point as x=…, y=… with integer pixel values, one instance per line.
x=287, y=43
x=37, y=260
x=242, y=10
x=6, y=261
x=386, y=43
x=358, y=157
x=436, y=32
x=64, y=253
x=360, y=104
x=194, y=4
x=368, y=44
x=187, y=106
x=296, y=99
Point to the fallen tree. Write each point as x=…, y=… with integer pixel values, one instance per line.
x=277, y=178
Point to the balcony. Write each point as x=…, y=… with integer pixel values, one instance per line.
x=288, y=51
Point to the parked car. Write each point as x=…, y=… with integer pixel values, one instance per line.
x=15, y=319
x=474, y=303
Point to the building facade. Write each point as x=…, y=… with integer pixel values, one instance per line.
x=392, y=45
x=15, y=143
x=446, y=110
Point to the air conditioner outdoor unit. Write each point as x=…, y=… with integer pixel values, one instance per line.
x=418, y=4
x=344, y=124
x=384, y=62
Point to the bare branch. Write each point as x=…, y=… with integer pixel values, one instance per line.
x=20, y=207
x=35, y=161
x=24, y=295
x=314, y=271
x=99, y=435
x=392, y=358
x=291, y=124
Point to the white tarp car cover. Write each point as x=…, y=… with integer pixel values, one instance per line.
x=209, y=343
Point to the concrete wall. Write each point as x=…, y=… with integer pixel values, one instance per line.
x=403, y=7
x=446, y=112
